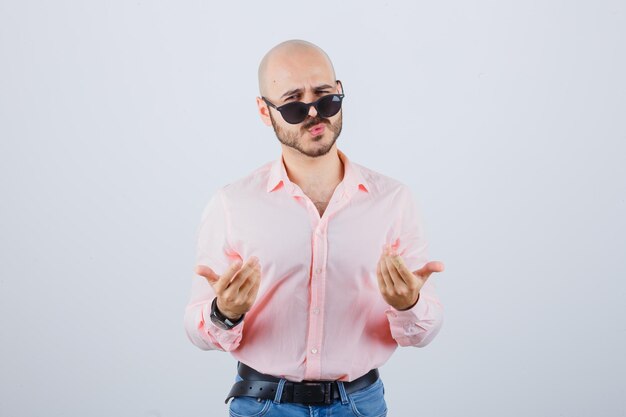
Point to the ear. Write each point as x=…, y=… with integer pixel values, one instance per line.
x=264, y=111
x=339, y=87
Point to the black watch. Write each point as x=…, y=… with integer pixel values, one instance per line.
x=221, y=320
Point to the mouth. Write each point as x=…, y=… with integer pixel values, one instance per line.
x=318, y=129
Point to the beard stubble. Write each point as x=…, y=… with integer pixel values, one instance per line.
x=296, y=140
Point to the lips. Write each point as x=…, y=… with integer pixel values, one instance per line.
x=318, y=129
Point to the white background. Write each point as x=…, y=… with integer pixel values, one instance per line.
x=119, y=120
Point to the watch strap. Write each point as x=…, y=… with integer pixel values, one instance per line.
x=220, y=319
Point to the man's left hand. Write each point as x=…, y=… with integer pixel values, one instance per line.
x=400, y=287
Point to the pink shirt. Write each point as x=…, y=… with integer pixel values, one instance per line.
x=319, y=314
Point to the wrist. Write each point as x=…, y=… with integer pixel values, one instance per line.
x=413, y=305
x=222, y=321
x=225, y=313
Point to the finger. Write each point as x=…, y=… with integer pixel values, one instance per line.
x=429, y=268
x=397, y=281
x=409, y=278
x=437, y=266
x=254, y=291
x=385, y=273
x=207, y=273
x=242, y=283
x=243, y=274
x=379, y=276
x=252, y=284
x=222, y=283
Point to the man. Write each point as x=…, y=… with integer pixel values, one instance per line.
x=312, y=269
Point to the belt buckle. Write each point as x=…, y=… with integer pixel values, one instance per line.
x=313, y=392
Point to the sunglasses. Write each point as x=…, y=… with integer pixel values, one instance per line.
x=295, y=112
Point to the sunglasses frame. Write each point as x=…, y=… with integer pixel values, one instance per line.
x=308, y=105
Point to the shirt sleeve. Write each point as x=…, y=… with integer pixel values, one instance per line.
x=418, y=325
x=214, y=251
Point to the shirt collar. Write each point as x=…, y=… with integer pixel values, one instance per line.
x=352, y=177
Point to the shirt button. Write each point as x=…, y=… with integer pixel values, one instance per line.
x=316, y=311
x=318, y=270
x=410, y=328
x=313, y=350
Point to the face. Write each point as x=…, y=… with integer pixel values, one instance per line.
x=315, y=136
x=305, y=78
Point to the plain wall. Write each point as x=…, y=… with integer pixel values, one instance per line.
x=119, y=120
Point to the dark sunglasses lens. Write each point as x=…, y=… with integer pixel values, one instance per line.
x=329, y=105
x=294, y=113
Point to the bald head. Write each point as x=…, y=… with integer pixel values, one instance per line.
x=292, y=62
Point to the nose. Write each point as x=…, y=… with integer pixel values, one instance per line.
x=312, y=111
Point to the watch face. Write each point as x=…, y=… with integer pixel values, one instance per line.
x=218, y=322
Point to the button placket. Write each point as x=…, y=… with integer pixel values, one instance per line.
x=319, y=252
x=319, y=257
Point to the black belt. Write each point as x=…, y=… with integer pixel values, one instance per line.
x=263, y=386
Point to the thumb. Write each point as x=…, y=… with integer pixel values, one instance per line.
x=429, y=268
x=207, y=273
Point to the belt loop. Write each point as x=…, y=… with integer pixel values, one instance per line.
x=279, y=391
x=342, y=392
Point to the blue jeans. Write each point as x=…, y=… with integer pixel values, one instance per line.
x=366, y=402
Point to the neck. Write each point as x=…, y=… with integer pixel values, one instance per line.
x=322, y=172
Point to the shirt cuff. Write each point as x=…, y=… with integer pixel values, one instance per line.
x=228, y=339
x=405, y=325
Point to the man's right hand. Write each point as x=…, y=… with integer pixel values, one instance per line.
x=237, y=288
